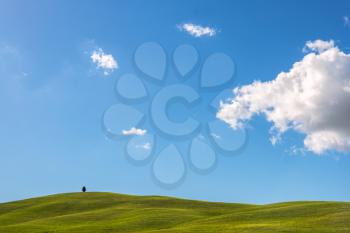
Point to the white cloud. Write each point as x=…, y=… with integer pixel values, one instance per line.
x=134, y=131
x=318, y=46
x=104, y=61
x=145, y=146
x=312, y=98
x=197, y=30
x=346, y=21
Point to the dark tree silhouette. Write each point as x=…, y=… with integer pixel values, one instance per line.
x=83, y=189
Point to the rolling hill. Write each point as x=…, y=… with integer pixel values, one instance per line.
x=109, y=212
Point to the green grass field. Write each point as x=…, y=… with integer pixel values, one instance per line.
x=109, y=212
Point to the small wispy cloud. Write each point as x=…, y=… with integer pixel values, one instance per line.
x=197, y=30
x=274, y=139
x=134, y=131
x=294, y=150
x=104, y=61
x=214, y=135
x=145, y=146
x=346, y=21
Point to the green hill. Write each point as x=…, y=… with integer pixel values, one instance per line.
x=108, y=212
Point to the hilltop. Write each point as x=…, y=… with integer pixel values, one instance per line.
x=110, y=212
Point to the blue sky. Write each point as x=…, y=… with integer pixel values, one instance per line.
x=53, y=97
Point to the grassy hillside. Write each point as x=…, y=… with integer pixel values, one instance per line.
x=108, y=212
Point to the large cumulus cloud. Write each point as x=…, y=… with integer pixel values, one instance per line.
x=313, y=98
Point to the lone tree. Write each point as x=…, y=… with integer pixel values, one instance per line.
x=83, y=189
